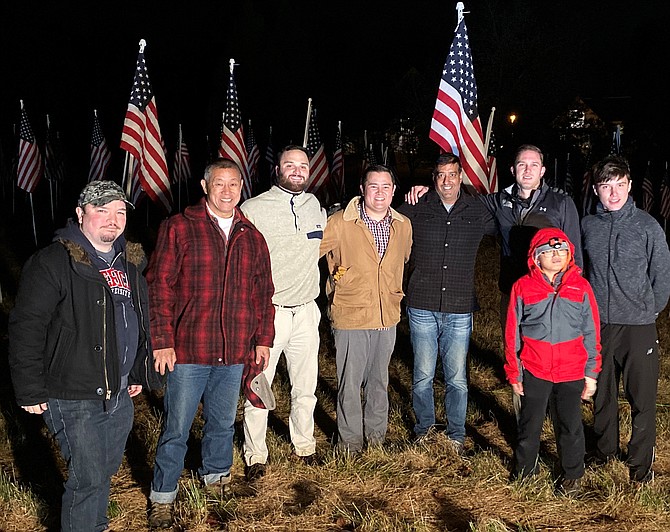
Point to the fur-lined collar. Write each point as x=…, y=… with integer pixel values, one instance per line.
x=134, y=252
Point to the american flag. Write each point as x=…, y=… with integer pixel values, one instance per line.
x=232, y=135
x=647, y=190
x=182, y=163
x=253, y=155
x=616, y=141
x=665, y=194
x=567, y=182
x=53, y=160
x=337, y=168
x=493, y=164
x=456, y=126
x=318, y=164
x=101, y=157
x=29, y=169
x=369, y=159
x=136, y=192
x=141, y=137
x=270, y=156
x=588, y=197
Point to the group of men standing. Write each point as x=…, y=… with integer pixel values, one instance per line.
x=231, y=288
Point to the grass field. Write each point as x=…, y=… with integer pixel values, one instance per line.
x=397, y=487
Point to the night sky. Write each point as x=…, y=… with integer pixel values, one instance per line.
x=363, y=62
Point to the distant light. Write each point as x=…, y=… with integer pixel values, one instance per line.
x=512, y=118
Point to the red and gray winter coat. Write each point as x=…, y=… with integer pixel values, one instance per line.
x=552, y=331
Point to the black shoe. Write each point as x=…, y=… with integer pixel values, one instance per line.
x=309, y=460
x=642, y=477
x=570, y=487
x=254, y=472
x=596, y=460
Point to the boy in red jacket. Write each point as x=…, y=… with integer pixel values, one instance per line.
x=552, y=348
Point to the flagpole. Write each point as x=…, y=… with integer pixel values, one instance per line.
x=309, y=114
x=489, y=128
x=179, y=170
x=32, y=210
x=124, y=178
x=46, y=161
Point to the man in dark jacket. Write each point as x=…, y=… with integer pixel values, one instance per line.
x=628, y=266
x=79, y=346
x=440, y=296
x=211, y=293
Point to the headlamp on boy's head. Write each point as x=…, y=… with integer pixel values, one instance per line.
x=555, y=245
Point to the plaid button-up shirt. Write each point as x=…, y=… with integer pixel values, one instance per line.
x=381, y=230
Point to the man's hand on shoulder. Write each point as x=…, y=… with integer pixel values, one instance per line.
x=262, y=356
x=412, y=197
x=36, y=409
x=164, y=358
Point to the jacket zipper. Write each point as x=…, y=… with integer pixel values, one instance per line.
x=108, y=395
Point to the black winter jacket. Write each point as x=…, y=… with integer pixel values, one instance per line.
x=518, y=221
x=62, y=334
x=444, y=250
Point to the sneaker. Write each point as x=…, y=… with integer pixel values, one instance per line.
x=570, y=487
x=160, y=515
x=638, y=480
x=254, y=472
x=420, y=439
x=309, y=460
x=456, y=446
x=220, y=488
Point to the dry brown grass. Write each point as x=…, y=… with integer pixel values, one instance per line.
x=400, y=487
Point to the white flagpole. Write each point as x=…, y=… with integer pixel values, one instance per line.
x=32, y=210
x=489, y=128
x=179, y=170
x=46, y=160
x=309, y=114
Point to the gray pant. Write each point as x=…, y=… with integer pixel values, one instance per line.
x=363, y=357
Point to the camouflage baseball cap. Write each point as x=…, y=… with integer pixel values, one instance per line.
x=101, y=193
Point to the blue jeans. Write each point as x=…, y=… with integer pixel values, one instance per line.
x=92, y=436
x=219, y=388
x=449, y=335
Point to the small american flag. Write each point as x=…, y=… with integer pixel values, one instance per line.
x=568, y=186
x=141, y=137
x=101, y=157
x=493, y=164
x=253, y=155
x=29, y=168
x=665, y=194
x=647, y=190
x=232, y=135
x=337, y=168
x=456, y=126
x=53, y=157
x=182, y=163
x=270, y=156
x=318, y=164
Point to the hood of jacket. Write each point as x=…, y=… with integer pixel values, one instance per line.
x=79, y=247
x=542, y=237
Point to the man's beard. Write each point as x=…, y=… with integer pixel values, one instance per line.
x=286, y=183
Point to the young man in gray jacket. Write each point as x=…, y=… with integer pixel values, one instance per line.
x=628, y=265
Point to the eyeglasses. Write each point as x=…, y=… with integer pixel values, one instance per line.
x=551, y=252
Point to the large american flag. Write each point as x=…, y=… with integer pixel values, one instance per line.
x=253, y=155
x=101, y=157
x=29, y=168
x=337, y=168
x=232, y=136
x=456, y=126
x=665, y=195
x=318, y=164
x=141, y=137
x=647, y=190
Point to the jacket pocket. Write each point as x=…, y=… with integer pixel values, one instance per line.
x=61, y=350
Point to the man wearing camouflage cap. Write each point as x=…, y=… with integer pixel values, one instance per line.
x=79, y=343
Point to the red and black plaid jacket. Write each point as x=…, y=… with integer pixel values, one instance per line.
x=211, y=304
